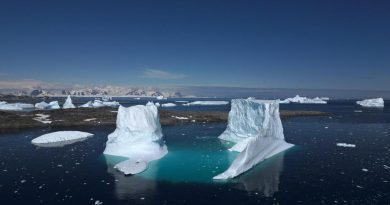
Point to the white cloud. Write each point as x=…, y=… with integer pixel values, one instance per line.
x=160, y=74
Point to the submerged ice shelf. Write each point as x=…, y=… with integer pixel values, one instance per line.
x=256, y=128
x=137, y=137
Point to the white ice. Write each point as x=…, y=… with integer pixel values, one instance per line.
x=15, y=106
x=157, y=104
x=131, y=166
x=207, y=103
x=304, y=100
x=168, y=105
x=138, y=134
x=68, y=103
x=42, y=118
x=377, y=102
x=256, y=128
x=345, y=145
x=60, y=136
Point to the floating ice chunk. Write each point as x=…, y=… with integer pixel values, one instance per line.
x=377, y=102
x=111, y=104
x=68, y=103
x=3, y=102
x=181, y=101
x=157, y=104
x=256, y=128
x=137, y=98
x=53, y=105
x=207, y=103
x=180, y=118
x=42, y=118
x=345, y=145
x=149, y=103
x=131, y=166
x=61, y=136
x=15, y=106
x=304, y=100
x=89, y=119
x=47, y=106
x=137, y=135
x=168, y=105
x=161, y=97
x=88, y=104
x=42, y=105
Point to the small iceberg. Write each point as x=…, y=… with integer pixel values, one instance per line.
x=60, y=138
x=256, y=128
x=99, y=103
x=87, y=105
x=137, y=136
x=157, y=104
x=131, y=166
x=304, y=100
x=207, y=103
x=161, y=97
x=68, y=103
x=345, y=145
x=168, y=105
x=47, y=106
x=15, y=106
x=376, y=102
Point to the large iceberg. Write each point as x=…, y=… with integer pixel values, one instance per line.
x=377, y=102
x=207, y=103
x=137, y=136
x=68, y=103
x=60, y=138
x=304, y=100
x=99, y=103
x=256, y=128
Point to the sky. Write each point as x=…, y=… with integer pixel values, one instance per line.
x=332, y=44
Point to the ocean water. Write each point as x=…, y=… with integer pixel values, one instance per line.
x=316, y=171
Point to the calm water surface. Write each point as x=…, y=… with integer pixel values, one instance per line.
x=316, y=171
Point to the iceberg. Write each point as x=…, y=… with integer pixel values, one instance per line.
x=161, y=97
x=207, y=103
x=88, y=104
x=376, y=102
x=47, y=106
x=137, y=136
x=157, y=104
x=168, y=105
x=256, y=128
x=68, y=103
x=15, y=106
x=304, y=100
x=99, y=103
x=56, y=138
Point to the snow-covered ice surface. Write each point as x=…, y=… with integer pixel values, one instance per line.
x=68, y=104
x=305, y=100
x=207, y=103
x=256, y=128
x=60, y=138
x=138, y=134
x=168, y=105
x=376, y=102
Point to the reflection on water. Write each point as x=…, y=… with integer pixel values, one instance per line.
x=263, y=178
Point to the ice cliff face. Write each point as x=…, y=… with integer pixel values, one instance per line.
x=256, y=128
x=377, y=102
x=137, y=135
x=68, y=103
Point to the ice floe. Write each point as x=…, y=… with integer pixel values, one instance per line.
x=137, y=136
x=42, y=118
x=207, y=103
x=15, y=106
x=256, y=128
x=68, y=103
x=376, y=102
x=304, y=100
x=60, y=138
x=168, y=105
x=47, y=106
x=345, y=145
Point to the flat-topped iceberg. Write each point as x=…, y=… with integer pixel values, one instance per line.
x=15, y=106
x=137, y=136
x=168, y=105
x=99, y=103
x=60, y=138
x=376, y=102
x=304, y=100
x=207, y=103
x=256, y=128
x=68, y=103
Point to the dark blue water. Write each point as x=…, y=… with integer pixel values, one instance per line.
x=316, y=171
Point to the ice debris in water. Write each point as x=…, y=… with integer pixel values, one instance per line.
x=377, y=102
x=256, y=128
x=137, y=136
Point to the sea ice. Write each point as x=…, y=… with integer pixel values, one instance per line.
x=88, y=104
x=207, y=103
x=131, y=166
x=304, y=100
x=68, y=103
x=15, y=106
x=61, y=136
x=157, y=104
x=377, y=102
x=168, y=105
x=137, y=135
x=345, y=145
x=256, y=128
